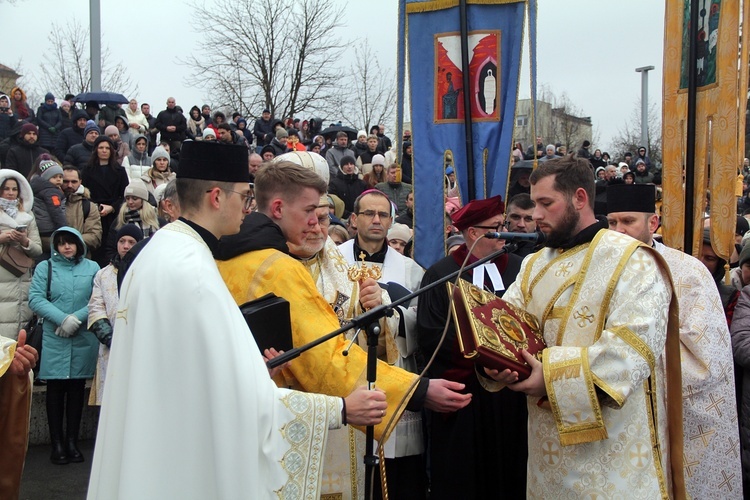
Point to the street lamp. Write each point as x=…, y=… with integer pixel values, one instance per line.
x=644, y=104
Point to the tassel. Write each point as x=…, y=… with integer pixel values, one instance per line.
x=565, y=372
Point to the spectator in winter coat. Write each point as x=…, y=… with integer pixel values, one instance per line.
x=159, y=173
x=195, y=124
x=172, y=125
x=279, y=143
x=360, y=146
x=121, y=123
x=23, y=154
x=138, y=161
x=136, y=210
x=121, y=149
x=152, y=130
x=206, y=114
x=106, y=181
x=7, y=118
x=228, y=136
x=46, y=180
x=49, y=119
x=66, y=113
x=263, y=130
x=396, y=190
x=71, y=136
x=406, y=168
x=642, y=175
x=643, y=156
x=242, y=129
x=80, y=212
x=377, y=174
x=19, y=105
x=137, y=121
x=347, y=185
x=79, y=154
x=337, y=152
x=365, y=157
x=108, y=113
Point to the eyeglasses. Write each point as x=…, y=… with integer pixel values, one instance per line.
x=324, y=221
x=248, y=198
x=493, y=228
x=370, y=214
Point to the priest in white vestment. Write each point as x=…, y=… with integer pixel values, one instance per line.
x=709, y=408
x=190, y=411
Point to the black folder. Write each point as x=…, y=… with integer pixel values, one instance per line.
x=270, y=322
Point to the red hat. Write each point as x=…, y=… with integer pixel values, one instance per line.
x=477, y=211
x=28, y=127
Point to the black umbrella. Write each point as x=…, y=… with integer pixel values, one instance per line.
x=101, y=97
x=335, y=129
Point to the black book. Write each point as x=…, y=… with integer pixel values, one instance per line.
x=270, y=322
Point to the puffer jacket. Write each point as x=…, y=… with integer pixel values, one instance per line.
x=22, y=155
x=48, y=210
x=79, y=154
x=70, y=136
x=49, y=119
x=14, y=290
x=740, y=330
x=72, y=282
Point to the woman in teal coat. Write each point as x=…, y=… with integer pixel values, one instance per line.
x=69, y=349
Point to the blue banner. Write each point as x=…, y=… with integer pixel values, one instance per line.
x=436, y=84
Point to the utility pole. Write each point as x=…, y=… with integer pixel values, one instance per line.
x=95, y=42
x=644, y=104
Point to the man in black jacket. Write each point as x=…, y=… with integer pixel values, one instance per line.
x=347, y=185
x=79, y=154
x=172, y=125
x=71, y=136
x=263, y=130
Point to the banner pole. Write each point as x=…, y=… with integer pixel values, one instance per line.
x=471, y=194
x=692, y=95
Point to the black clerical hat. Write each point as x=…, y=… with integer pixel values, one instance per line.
x=213, y=161
x=631, y=198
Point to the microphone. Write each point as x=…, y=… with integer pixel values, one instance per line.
x=535, y=237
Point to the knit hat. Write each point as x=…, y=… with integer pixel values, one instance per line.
x=456, y=239
x=281, y=132
x=159, y=152
x=65, y=103
x=49, y=168
x=346, y=160
x=361, y=133
x=90, y=125
x=209, y=131
x=399, y=232
x=378, y=160
x=111, y=130
x=639, y=162
x=137, y=189
x=449, y=171
x=131, y=230
x=49, y=96
x=28, y=127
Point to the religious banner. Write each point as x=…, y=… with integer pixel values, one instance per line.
x=721, y=68
x=432, y=36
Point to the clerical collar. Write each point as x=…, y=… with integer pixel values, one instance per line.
x=208, y=237
x=586, y=235
x=378, y=256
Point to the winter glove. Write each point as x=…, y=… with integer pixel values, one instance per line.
x=69, y=326
x=103, y=331
x=52, y=130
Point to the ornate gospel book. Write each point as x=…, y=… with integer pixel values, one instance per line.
x=492, y=332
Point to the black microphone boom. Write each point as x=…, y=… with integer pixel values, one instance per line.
x=535, y=237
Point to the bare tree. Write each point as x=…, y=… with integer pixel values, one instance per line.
x=372, y=91
x=67, y=64
x=628, y=139
x=276, y=54
x=565, y=122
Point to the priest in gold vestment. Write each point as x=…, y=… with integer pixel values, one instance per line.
x=600, y=422
x=256, y=261
x=711, y=435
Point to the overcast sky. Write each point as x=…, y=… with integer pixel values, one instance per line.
x=586, y=48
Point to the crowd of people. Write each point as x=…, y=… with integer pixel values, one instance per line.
x=135, y=237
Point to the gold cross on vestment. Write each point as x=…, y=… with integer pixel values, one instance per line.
x=703, y=435
x=689, y=465
x=714, y=404
x=726, y=480
x=583, y=315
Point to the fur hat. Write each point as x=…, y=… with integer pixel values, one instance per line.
x=137, y=189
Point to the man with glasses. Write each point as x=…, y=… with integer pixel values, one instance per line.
x=485, y=443
x=373, y=217
x=520, y=219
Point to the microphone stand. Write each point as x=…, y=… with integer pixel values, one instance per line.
x=370, y=321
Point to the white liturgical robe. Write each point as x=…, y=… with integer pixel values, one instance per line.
x=190, y=411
